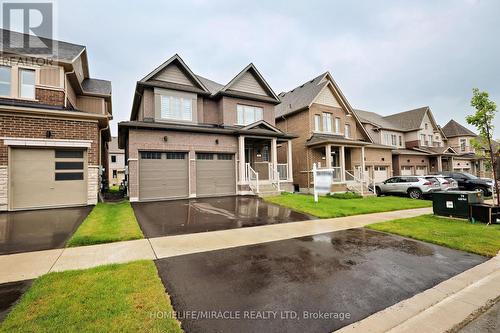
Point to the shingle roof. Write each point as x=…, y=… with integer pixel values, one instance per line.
x=454, y=129
x=300, y=97
x=318, y=138
x=411, y=119
x=63, y=51
x=375, y=118
x=96, y=86
x=212, y=86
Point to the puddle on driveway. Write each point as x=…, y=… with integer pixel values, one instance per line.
x=36, y=230
x=356, y=272
x=164, y=218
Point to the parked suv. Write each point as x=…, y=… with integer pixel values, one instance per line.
x=413, y=186
x=445, y=183
x=469, y=182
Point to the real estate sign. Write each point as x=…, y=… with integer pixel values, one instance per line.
x=322, y=181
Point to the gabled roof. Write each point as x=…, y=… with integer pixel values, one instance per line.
x=176, y=59
x=377, y=120
x=453, y=129
x=260, y=79
x=409, y=120
x=96, y=87
x=262, y=124
x=300, y=97
x=303, y=97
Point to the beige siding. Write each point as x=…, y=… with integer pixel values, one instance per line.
x=78, y=67
x=326, y=97
x=173, y=74
x=90, y=104
x=248, y=83
x=229, y=106
x=51, y=76
x=70, y=94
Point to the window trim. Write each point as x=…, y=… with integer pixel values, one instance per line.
x=254, y=108
x=10, y=81
x=347, y=130
x=327, y=119
x=182, y=100
x=337, y=125
x=20, y=82
x=317, y=123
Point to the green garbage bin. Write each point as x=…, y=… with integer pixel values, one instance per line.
x=455, y=203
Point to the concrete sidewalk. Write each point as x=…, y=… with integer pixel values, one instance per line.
x=29, y=265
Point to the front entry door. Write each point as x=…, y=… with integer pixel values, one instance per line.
x=249, y=156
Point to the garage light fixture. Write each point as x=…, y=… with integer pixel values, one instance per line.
x=422, y=161
x=216, y=141
x=383, y=158
x=165, y=138
x=48, y=134
x=408, y=161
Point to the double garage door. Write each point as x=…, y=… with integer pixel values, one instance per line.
x=165, y=175
x=47, y=178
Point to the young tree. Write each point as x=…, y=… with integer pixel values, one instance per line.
x=482, y=119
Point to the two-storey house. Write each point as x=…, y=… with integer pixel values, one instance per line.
x=189, y=136
x=54, y=126
x=330, y=134
x=461, y=140
x=116, y=163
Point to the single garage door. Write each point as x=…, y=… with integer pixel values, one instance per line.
x=421, y=170
x=163, y=175
x=47, y=178
x=406, y=171
x=379, y=173
x=215, y=174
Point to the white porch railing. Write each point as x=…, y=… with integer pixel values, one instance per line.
x=252, y=177
x=274, y=176
x=282, y=171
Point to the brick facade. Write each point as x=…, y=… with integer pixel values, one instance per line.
x=50, y=97
x=31, y=127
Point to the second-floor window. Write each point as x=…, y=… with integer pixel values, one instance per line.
x=430, y=139
x=401, y=141
x=337, y=125
x=347, y=130
x=247, y=114
x=393, y=139
x=5, y=79
x=27, y=83
x=327, y=122
x=317, y=123
x=422, y=140
x=463, y=144
x=113, y=158
x=176, y=108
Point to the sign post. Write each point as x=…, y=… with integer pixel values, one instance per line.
x=322, y=181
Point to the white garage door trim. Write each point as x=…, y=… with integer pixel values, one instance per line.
x=406, y=170
x=421, y=170
x=380, y=173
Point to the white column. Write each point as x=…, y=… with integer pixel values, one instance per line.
x=439, y=164
x=342, y=163
x=328, y=153
x=274, y=152
x=289, y=161
x=241, y=157
x=362, y=175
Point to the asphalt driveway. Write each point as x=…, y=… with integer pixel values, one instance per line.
x=309, y=284
x=165, y=218
x=36, y=230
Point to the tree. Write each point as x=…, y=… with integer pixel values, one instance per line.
x=482, y=119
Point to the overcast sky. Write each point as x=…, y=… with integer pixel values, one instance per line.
x=386, y=56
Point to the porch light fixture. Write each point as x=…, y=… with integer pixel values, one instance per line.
x=165, y=138
x=422, y=161
x=216, y=141
x=48, y=134
x=383, y=158
x=408, y=161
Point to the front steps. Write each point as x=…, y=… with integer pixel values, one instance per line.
x=267, y=190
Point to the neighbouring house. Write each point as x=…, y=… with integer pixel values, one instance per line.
x=116, y=163
x=420, y=145
x=468, y=158
x=54, y=127
x=189, y=136
x=330, y=135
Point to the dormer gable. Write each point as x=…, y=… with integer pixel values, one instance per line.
x=250, y=81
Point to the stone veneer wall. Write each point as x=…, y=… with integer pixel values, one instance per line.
x=92, y=184
x=4, y=184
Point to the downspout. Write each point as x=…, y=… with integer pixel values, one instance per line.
x=65, y=88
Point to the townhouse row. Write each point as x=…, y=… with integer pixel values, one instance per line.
x=189, y=136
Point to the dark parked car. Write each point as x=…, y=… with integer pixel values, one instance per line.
x=468, y=182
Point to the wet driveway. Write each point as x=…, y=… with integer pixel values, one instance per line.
x=164, y=218
x=36, y=230
x=309, y=284
x=10, y=293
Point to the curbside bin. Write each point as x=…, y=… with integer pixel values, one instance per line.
x=455, y=203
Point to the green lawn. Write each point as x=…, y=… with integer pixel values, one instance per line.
x=108, y=222
x=112, y=298
x=457, y=234
x=329, y=206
